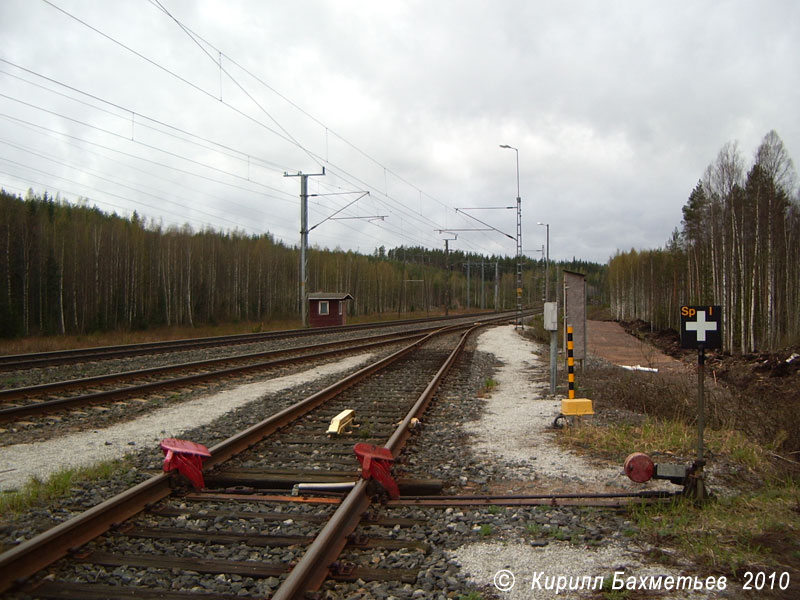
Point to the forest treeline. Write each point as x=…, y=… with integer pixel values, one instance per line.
x=738, y=247
x=68, y=268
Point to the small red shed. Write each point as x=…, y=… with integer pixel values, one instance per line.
x=326, y=309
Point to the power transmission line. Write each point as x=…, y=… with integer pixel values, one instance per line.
x=400, y=206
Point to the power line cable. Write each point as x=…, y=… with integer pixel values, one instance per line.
x=121, y=183
x=230, y=151
x=139, y=142
x=173, y=74
x=141, y=158
x=148, y=173
x=194, y=37
x=238, y=111
x=223, y=70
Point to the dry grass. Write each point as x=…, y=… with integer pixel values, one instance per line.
x=667, y=437
x=773, y=422
x=757, y=527
x=33, y=344
x=756, y=530
x=111, y=338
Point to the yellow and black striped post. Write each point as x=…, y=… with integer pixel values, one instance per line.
x=571, y=406
x=570, y=364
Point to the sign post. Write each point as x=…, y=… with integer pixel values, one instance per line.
x=551, y=325
x=701, y=328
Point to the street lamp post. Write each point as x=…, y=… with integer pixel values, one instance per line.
x=519, y=243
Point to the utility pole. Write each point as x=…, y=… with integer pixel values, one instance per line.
x=546, y=262
x=447, y=273
x=496, y=284
x=552, y=308
x=519, y=253
x=483, y=289
x=304, y=239
x=482, y=264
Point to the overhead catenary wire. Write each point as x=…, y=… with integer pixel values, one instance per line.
x=164, y=69
x=141, y=189
x=217, y=146
x=144, y=144
x=109, y=132
x=195, y=36
x=42, y=131
x=129, y=155
x=218, y=61
x=223, y=70
x=159, y=197
x=395, y=204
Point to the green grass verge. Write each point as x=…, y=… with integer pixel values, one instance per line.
x=757, y=526
x=37, y=492
x=731, y=534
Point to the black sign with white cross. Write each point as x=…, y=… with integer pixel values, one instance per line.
x=701, y=325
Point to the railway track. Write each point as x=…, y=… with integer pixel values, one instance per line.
x=132, y=392
x=10, y=362
x=47, y=398
x=83, y=529
x=245, y=535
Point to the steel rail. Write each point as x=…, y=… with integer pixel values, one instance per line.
x=588, y=499
x=42, y=550
x=7, y=414
x=31, y=360
x=59, y=386
x=607, y=500
x=314, y=567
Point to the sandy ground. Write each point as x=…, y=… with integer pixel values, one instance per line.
x=20, y=462
x=608, y=340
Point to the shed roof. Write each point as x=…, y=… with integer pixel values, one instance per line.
x=329, y=296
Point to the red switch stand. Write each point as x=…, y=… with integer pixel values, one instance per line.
x=376, y=462
x=187, y=457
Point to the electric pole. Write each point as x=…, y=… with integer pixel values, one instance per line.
x=304, y=239
x=447, y=273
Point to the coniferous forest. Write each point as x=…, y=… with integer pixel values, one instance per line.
x=738, y=247
x=67, y=268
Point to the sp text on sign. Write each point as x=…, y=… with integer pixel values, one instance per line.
x=701, y=326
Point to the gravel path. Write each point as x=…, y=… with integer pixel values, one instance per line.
x=516, y=429
x=517, y=425
x=19, y=462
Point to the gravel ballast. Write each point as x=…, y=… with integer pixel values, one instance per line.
x=19, y=462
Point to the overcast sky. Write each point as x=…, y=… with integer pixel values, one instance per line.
x=616, y=109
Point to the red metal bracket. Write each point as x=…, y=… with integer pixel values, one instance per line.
x=376, y=462
x=187, y=457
